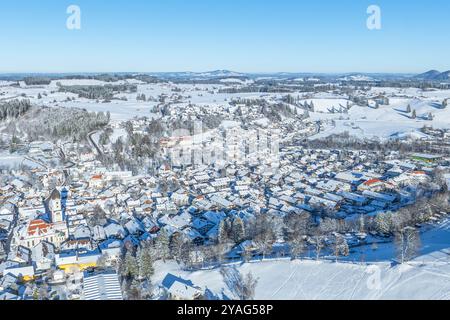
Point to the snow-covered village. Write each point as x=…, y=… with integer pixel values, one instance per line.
x=231, y=151
x=139, y=187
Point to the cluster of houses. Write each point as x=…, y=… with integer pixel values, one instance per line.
x=64, y=226
x=54, y=230
x=371, y=101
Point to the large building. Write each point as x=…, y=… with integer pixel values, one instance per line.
x=39, y=230
x=426, y=158
x=103, y=286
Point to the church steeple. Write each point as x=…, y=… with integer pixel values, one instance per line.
x=55, y=206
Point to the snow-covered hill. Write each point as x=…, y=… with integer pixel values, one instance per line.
x=356, y=77
x=434, y=75
x=386, y=122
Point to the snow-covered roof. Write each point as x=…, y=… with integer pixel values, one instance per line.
x=104, y=286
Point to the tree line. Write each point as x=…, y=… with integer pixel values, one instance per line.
x=14, y=109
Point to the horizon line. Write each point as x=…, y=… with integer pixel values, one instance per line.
x=210, y=71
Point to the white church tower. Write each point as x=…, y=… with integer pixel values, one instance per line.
x=55, y=206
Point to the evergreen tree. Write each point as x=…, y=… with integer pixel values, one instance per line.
x=185, y=255
x=176, y=245
x=146, y=269
x=130, y=267
x=134, y=290
x=238, y=230
x=306, y=114
x=223, y=232
x=162, y=245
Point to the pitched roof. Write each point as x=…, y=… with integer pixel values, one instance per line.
x=372, y=182
x=37, y=227
x=55, y=195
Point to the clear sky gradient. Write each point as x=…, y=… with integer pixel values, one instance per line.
x=239, y=35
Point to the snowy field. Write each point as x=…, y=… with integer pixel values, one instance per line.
x=390, y=121
x=426, y=277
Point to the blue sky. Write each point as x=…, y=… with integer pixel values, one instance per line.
x=240, y=35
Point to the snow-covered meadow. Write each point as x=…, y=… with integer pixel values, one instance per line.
x=377, y=277
x=386, y=122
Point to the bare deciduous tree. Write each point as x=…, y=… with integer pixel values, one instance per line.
x=407, y=242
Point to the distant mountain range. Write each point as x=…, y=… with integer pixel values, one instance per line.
x=434, y=75
x=224, y=74
x=200, y=75
x=217, y=75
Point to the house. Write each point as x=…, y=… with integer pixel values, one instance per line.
x=214, y=217
x=7, y=281
x=134, y=226
x=180, y=199
x=381, y=100
x=27, y=273
x=7, y=212
x=181, y=289
x=5, y=295
x=96, y=182
x=150, y=225
x=79, y=243
x=43, y=255
x=82, y=232
x=111, y=248
x=375, y=185
x=120, y=175
x=322, y=202
x=178, y=221
x=354, y=198
x=202, y=225
x=349, y=177
x=245, y=247
x=20, y=255
x=386, y=198
x=130, y=242
x=115, y=230
x=221, y=202
x=98, y=233
x=76, y=260
x=193, y=235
